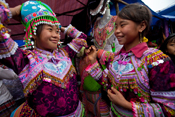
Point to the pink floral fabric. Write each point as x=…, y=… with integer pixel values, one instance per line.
x=51, y=100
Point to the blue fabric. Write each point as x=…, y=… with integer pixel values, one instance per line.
x=170, y=11
x=12, y=114
x=20, y=42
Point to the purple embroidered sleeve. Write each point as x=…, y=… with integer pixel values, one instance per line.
x=17, y=61
x=162, y=92
x=160, y=76
x=83, y=36
x=71, y=31
x=99, y=74
x=70, y=52
x=10, y=54
x=162, y=84
x=75, y=46
x=99, y=70
x=7, y=45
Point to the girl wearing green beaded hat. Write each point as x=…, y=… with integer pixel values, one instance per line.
x=46, y=72
x=32, y=16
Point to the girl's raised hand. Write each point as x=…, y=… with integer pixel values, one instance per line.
x=117, y=98
x=62, y=29
x=91, y=55
x=91, y=50
x=16, y=12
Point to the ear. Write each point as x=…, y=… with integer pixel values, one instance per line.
x=34, y=36
x=142, y=26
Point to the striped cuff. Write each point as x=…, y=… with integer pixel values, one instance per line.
x=8, y=48
x=94, y=70
x=77, y=44
x=72, y=31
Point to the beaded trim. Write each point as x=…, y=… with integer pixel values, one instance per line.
x=154, y=59
x=8, y=48
x=134, y=110
x=147, y=109
x=37, y=74
x=120, y=112
x=32, y=85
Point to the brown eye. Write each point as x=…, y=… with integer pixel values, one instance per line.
x=50, y=29
x=122, y=25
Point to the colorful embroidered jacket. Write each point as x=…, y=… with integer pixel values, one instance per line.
x=145, y=76
x=49, y=79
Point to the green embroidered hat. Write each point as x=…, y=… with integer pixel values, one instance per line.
x=34, y=13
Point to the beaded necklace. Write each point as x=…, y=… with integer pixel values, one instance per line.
x=44, y=53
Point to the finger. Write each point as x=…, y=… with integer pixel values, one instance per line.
x=114, y=90
x=92, y=52
x=94, y=48
x=109, y=97
x=109, y=92
x=87, y=51
x=62, y=29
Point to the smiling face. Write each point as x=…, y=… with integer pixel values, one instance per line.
x=48, y=38
x=132, y=24
x=127, y=32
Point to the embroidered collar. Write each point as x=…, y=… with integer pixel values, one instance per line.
x=138, y=50
x=44, y=52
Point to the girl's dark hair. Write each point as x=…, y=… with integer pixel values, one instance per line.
x=137, y=13
x=39, y=29
x=38, y=32
x=170, y=38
